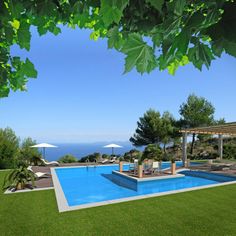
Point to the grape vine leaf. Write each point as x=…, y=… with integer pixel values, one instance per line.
x=139, y=54
x=112, y=11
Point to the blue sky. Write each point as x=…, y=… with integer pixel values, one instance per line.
x=81, y=94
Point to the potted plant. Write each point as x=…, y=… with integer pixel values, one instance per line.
x=173, y=166
x=18, y=178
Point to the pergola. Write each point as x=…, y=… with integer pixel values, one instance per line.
x=220, y=130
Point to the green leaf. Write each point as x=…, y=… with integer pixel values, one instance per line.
x=56, y=30
x=193, y=55
x=181, y=42
x=157, y=36
x=28, y=69
x=9, y=34
x=195, y=20
x=211, y=18
x=4, y=91
x=199, y=55
x=139, y=54
x=184, y=61
x=230, y=48
x=218, y=47
x=174, y=65
x=114, y=38
x=94, y=35
x=179, y=7
x=112, y=11
x=171, y=27
x=205, y=55
x=16, y=9
x=24, y=35
x=15, y=24
x=157, y=4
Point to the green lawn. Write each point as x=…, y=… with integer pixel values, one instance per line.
x=203, y=212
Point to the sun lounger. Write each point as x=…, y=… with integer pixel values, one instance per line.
x=154, y=168
x=113, y=159
x=39, y=174
x=47, y=163
x=134, y=168
x=104, y=161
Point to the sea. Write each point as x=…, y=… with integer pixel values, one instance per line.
x=80, y=150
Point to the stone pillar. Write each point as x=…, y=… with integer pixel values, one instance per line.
x=184, y=148
x=140, y=171
x=173, y=168
x=220, y=146
x=121, y=166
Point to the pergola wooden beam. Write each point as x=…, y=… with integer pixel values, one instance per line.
x=224, y=129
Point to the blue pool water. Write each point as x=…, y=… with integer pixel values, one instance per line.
x=93, y=184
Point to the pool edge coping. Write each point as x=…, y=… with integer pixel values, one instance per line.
x=28, y=190
x=152, y=178
x=64, y=207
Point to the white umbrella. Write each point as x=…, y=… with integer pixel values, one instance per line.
x=112, y=146
x=43, y=145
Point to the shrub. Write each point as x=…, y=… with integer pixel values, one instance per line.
x=9, y=145
x=229, y=151
x=28, y=154
x=93, y=157
x=68, y=159
x=105, y=156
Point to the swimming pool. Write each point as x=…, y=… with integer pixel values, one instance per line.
x=88, y=185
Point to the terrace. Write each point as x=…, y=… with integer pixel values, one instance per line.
x=189, y=213
x=45, y=206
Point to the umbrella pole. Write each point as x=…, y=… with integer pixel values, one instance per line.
x=112, y=151
x=44, y=153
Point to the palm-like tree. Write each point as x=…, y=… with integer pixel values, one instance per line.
x=18, y=178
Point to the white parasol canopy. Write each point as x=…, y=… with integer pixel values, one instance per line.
x=44, y=145
x=112, y=146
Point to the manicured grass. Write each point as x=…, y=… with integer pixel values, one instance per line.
x=202, y=212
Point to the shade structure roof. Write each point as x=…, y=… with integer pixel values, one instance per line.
x=224, y=129
x=112, y=145
x=44, y=145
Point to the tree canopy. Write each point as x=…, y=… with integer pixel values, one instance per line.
x=9, y=146
x=152, y=34
x=148, y=130
x=153, y=128
x=152, y=151
x=27, y=154
x=197, y=111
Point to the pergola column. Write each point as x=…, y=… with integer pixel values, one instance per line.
x=184, y=148
x=220, y=146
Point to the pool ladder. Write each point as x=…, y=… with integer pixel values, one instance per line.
x=95, y=163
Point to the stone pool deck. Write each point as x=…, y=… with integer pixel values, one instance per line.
x=47, y=182
x=217, y=169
